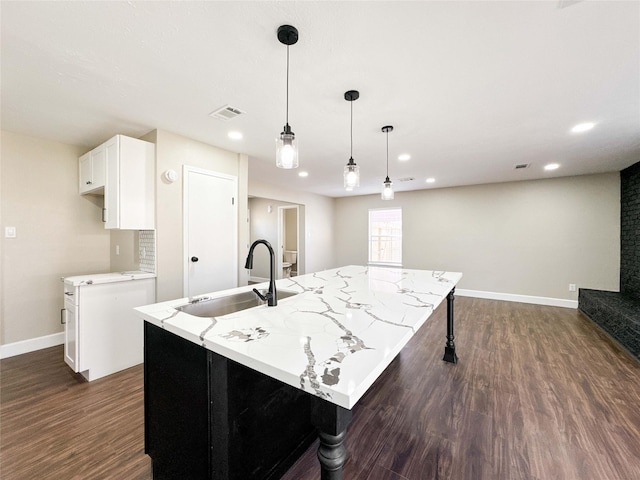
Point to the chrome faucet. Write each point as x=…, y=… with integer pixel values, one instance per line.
x=271, y=296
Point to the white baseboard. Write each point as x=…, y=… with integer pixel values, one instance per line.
x=258, y=279
x=512, y=297
x=31, y=345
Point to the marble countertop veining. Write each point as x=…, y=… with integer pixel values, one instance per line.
x=333, y=339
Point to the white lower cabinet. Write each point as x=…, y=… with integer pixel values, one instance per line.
x=102, y=333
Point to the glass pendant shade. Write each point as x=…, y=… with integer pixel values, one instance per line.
x=387, y=190
x=351, y=175
x=287, y=149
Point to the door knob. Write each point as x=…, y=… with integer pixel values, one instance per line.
x=194, y=259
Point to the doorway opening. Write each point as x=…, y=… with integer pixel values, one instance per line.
x=282, y=224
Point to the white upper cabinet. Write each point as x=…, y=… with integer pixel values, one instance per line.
x=125, y=166
x=129, y=186
x=92, y=171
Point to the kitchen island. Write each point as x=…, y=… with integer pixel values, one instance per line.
x=253, y=386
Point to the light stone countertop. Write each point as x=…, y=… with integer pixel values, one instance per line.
x=331, y=340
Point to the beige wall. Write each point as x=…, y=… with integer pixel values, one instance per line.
x=318, y=239
x=291, y=231
x=173, y=152
x=264, y=225
x=59, y=233
x=527, y=238
x=126, y=243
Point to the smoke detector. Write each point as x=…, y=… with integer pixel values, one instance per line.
x=226, y=113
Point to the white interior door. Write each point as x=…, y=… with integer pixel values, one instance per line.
x=210, y=231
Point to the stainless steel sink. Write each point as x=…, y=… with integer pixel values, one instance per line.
x=215, y=307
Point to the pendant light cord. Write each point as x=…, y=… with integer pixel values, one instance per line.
x=351, y=102
x=287, y=114
x=387, y=153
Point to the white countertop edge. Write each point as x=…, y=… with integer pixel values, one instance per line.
x=100, y=278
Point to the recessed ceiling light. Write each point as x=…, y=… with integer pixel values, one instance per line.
x=430, y=180
x=404, y=157
x=235, y=135
x=551, y=166
x=583, y=127
x=303, y=174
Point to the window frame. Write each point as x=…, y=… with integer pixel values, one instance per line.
x=393, y=236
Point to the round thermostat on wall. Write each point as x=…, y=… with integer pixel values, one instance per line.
x=170, y=176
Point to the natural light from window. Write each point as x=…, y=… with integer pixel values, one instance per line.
x=385, y=236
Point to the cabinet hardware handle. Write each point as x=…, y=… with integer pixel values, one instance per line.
x=69, y=294
x=104, y=215
x=194, y=259
x=62, y=316
x=89, y=182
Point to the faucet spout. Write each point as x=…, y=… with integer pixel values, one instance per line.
x=271, y=296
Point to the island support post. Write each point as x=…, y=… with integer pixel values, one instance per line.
x=450, y=347
x=332, y=421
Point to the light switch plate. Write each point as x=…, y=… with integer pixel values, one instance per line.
x=9, y=232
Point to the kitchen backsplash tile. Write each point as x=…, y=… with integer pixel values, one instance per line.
x=147, y=250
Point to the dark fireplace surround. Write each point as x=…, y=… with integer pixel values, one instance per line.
x=618, y=313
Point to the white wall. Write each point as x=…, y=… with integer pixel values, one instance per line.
x=318, y=238
x=173, y=152
x=59, y=233
x=526, y=238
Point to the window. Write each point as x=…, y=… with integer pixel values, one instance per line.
x=385, y=236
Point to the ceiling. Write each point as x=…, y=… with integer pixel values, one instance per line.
x=471, y=88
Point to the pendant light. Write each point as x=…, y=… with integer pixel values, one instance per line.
x=351, y=170
x=286, y=145
x=387, y=189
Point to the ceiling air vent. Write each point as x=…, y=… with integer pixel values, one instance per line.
x=226, y=113
x=520, y=166
x=406, y=179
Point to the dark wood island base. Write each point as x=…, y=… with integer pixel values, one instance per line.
x=208, y=417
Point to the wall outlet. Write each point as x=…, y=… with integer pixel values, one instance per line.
x=9, y=232
x=117, y=249
x=572, y=287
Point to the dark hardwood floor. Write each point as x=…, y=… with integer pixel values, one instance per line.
x=539, y=393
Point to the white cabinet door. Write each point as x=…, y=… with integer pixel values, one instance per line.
x=98, y=165
x=92, y=170
x=85, y=174
x=71, y=336
x=129, y=185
